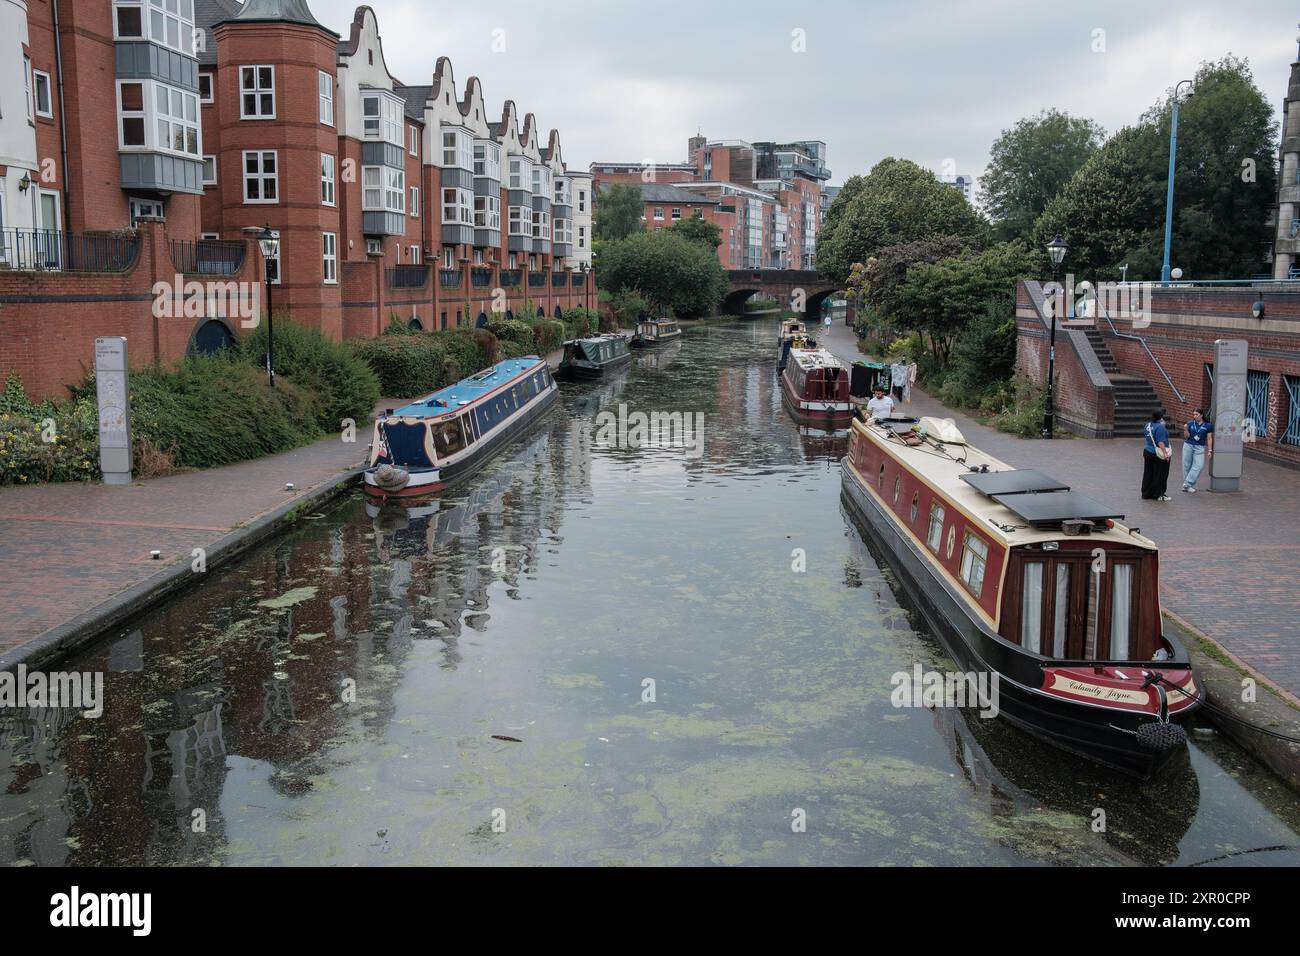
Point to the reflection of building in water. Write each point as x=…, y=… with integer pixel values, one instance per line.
x=35, y=777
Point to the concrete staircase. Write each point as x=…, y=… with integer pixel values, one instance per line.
x=1135, y=399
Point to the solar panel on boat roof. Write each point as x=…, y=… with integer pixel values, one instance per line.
x=1019, y=481
x=1053, y=507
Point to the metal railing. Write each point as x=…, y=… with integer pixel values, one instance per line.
x=1291, y=435
x=579, y=280
x=480, y=277
x=559, y=279
x=1146, y=348
x=408, y=276
x=210, y=257
x=52, y=250
x=510, y=277
x=536, y=279
x=1257, y=400
x=449, y=278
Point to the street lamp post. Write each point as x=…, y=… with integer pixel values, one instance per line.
x=269, y=240
x=1056, y=249
x=1169, y=190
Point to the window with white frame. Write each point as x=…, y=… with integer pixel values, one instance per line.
x=520, y=173
x=261, y=176
x=257, y=92
x=330, y=256
x=582, y=237
x=659, y=212
x=487, y=212
x=168, y=23
x=415, y=202
x=382, y=117
x=541, y=225
x=415, y=254
x=582, y=200
x=564, y=230
x=677, y=212
x=209, y=170
x=383, y=189
x=457, y=149
x=562, y=195
x=487, y=160
x=205, y=88
x=152, y=115
x=415, y=140
x=457, y=207
x=42, y=92
x=326, y=90
x=541, y=181
x=521, y=221
x=27, y=87
x=328, y=180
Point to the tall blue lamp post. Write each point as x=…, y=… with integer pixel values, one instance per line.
x=1056, y=249
x=1169, y=192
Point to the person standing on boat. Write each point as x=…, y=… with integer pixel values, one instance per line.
x=1198, y=443
x=880, y=405
x=1155, y=459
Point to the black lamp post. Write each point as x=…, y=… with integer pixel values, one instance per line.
x=269, y=240
x=586, y=290
x=1056, y=249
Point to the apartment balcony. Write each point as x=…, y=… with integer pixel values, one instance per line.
x=510, y=278
x=50, y=250
x=559, y=279
x=407, y=276
x=208, y=257
x=449, y=278
x=578, y=280
x=480, y=277
x=536, y=280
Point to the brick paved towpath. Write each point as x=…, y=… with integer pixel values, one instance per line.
x=1230, y=563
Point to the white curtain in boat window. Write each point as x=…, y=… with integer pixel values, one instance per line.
x=1060, y=609
x=1121, y=603
x=1031, y=612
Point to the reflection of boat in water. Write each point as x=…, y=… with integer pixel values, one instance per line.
x=1080, y=654
x=430, y=445
x=820, y=444
x=659, y=358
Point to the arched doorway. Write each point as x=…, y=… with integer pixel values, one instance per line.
x=210, y=337
x=415, y=324
x=541, y=312
x=558, y=314
x=481, y=321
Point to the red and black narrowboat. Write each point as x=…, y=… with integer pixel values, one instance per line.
x=815, y=387
x=1029, y=580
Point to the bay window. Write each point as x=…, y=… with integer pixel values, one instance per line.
x=520, y=173
x=487, y=212
x=487, y=161
x=457, y=149
x=154, y=116
x=382, y=117
x=168, y=23
x=521, y=221
x=541, y=225
x=562, y=195
x=383, y=189
x=457, y=207
x=541, y=181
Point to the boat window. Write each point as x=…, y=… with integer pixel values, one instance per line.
x=898, y=487
x=880, y=482
x=1060, y=609
x=916, y=506
x=1031, y=610
x=1121, y=607
x=935, y=534
x=974, y=556
x=449, y=436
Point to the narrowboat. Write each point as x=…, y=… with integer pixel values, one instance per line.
x=815, y=387
x=1030, y=581
x=591, y=358
x=794, y=334
x=428, y=446
x=655, y=333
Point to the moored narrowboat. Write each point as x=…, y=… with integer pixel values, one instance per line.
x=428, y=446
x=815, y=387
x=655, y=333
x=794, y=334
x=1030, y=581
x=592, y=357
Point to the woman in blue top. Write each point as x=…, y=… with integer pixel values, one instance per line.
x=1198, y=444
x=1155, y=459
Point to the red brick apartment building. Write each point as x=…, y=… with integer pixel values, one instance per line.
x=141, y=140
x=766, y=197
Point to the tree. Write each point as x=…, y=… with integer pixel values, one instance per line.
x=667, y=269
x=1030, y=164
x=618, y=212
x=698, y=229
x=1112, y=211
x=897, y=201
x=885, y=272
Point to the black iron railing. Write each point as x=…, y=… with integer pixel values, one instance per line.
x=536, y=279
x=509, y=277
x=559, y=279
x=449, y=278
x=579, y=280
x=408, y=276
x=480, y=277
x=51, y=250
x=209, y=257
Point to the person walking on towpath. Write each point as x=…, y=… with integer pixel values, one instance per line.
x=1198, y=445
x=1155, y=459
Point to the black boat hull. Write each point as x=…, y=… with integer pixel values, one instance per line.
x=1100, y=734
x=587, y=372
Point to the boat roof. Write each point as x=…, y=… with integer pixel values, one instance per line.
x=455, y=397
x=815, y=358
x=952, y=478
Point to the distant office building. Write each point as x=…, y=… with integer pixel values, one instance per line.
x=963, y=184
x=766, y=196
x=1286, y=246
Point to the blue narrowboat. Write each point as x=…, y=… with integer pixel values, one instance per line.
x=430, y=445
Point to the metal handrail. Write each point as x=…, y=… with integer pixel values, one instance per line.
x=1146, y=348
x=53, y=250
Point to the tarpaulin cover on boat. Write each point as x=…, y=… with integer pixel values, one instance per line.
x=408, y=443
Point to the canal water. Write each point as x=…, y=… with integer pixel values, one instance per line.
x=589, y=654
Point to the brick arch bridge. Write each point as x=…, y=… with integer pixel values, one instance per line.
x=779, y=284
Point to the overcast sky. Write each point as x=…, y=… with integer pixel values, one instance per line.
x=928, y=81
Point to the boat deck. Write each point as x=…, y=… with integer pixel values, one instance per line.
x=454, y=397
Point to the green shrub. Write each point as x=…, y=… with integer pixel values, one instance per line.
x=548, y=335
x=407, y=365
x=1022, y=410
x=46, y=441
x=345, y=386
x=514, y=330
x=508, y=349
